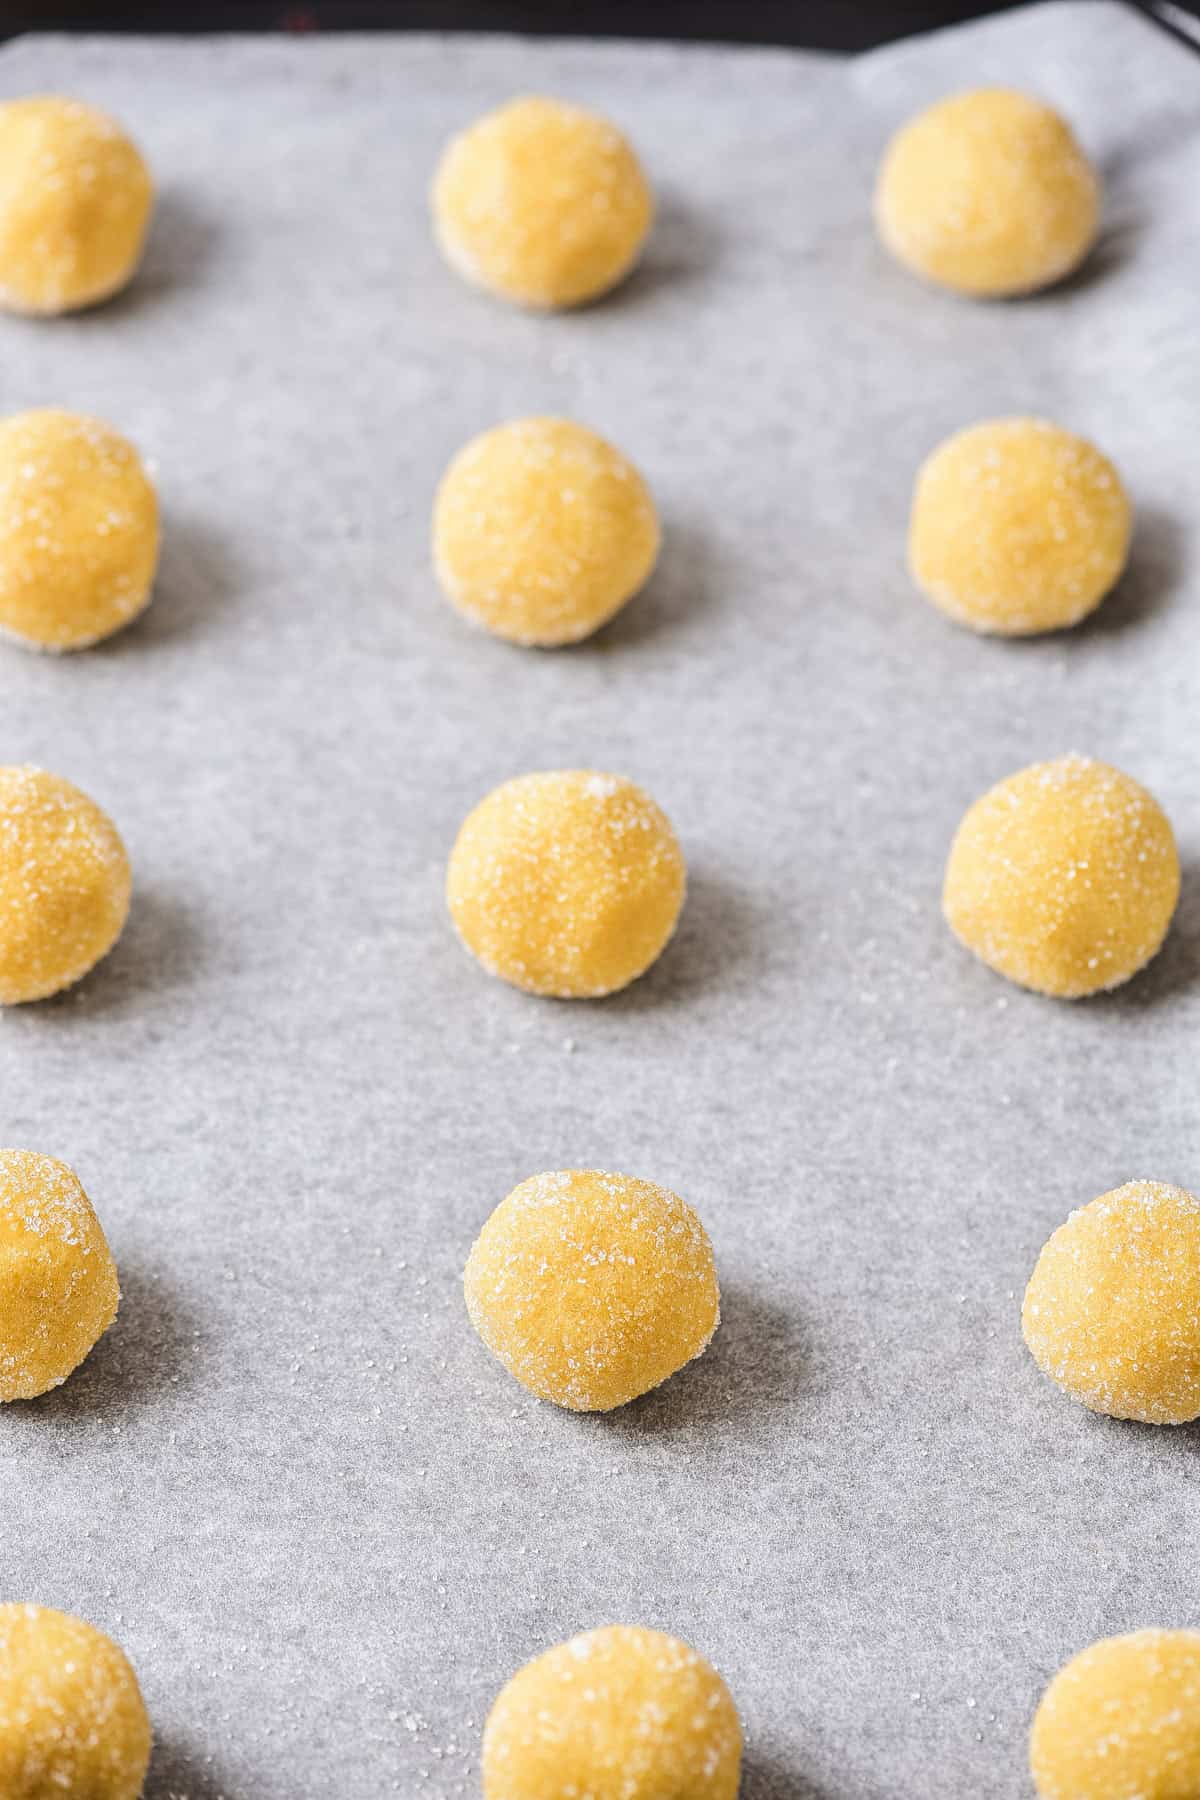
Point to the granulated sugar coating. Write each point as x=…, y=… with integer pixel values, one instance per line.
x=75, y=200
x=543, y=203
x=73, y=1725
x=58, y=1281
x=64, y=884
x=78, y=530
x=989, y=193
x=1122, y=1722
x=567, y=884
x=1112, y=1311
x=542, y=531
x=623, y=1713
x=592, y=1288
x=1018, y=527
x=1064, y=877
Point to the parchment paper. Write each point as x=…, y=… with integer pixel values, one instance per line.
x=324, y=1524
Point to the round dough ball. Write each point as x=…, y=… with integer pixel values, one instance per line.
x=542, y=531
x=1112, y=1310
x=542, y=203
x=1018, y=527
x=78, y=530
x=593, y=1288
x=1064, y=878
x=989, y=193
x=58, y=1281
x=65, y=884
x=623, y=1713
x=1122, y=1721
x=73, y=1724
x=568, y=883
x=75, y=200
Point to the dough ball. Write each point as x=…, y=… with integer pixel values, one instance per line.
x=1064, y=878
x=78, y=530
x=73, y=1725
x=58, y=1281
x=593, y=1288
x=568, y=883
x=1018, y=527
x=1112, y=1311
x=989, y=193
x=623, y=1713
x=75, y=199
x=64, y=884
x=542, y=531
x=1122, y=1721
x=543, y=203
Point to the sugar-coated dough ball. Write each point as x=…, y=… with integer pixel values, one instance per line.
x=1064, y=877
x=543, y=203
x=64, y=884
x=1121, y=1721
x=542, y=530
x=1018, y=527
x=78, y=530
x=1112, y=1310
x=568, y=883
x=623, y=1713
x=58, y=1281
x=988, y=192
x=593, y=1288
x=73, y=1725
x=75, y=200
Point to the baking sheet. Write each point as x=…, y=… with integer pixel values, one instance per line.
x=325, y=1525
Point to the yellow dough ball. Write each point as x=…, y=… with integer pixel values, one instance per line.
x=75, y=200
x=1112, y=1310
x=989, y=193
x=73, y=1724
x=623, y=1713
x=1122, y=1721
x=543, y=203
x=1064, y=878
x=64, y=884
x=58, y=1281
x=542, y=531
x=78, y=530
x=1018, y=527
x=593, y=1288
x=568, y=883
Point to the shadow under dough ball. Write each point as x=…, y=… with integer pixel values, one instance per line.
x=1121, y=1721
x=72, y=1718
x=542, y=203
x=988, y=193
x=1064, y=878
x=623, y=1713
x=75, y=203
x=592, y=1288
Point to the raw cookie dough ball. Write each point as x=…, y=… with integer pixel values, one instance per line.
x=989, y=193
x=623, y=1713
x=73, y=1725
x=592, y=1288
x=542, y=531
x=58, y=1281
x=1112, y=1310
x=78, y=530
x=1122, y=1721
x=568, y=883
x=1064, y=877
x=64, y=884
x=543, y=203
x=75, y=199
x=1018, y=527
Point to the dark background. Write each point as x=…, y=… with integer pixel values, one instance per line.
x=825, y=24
